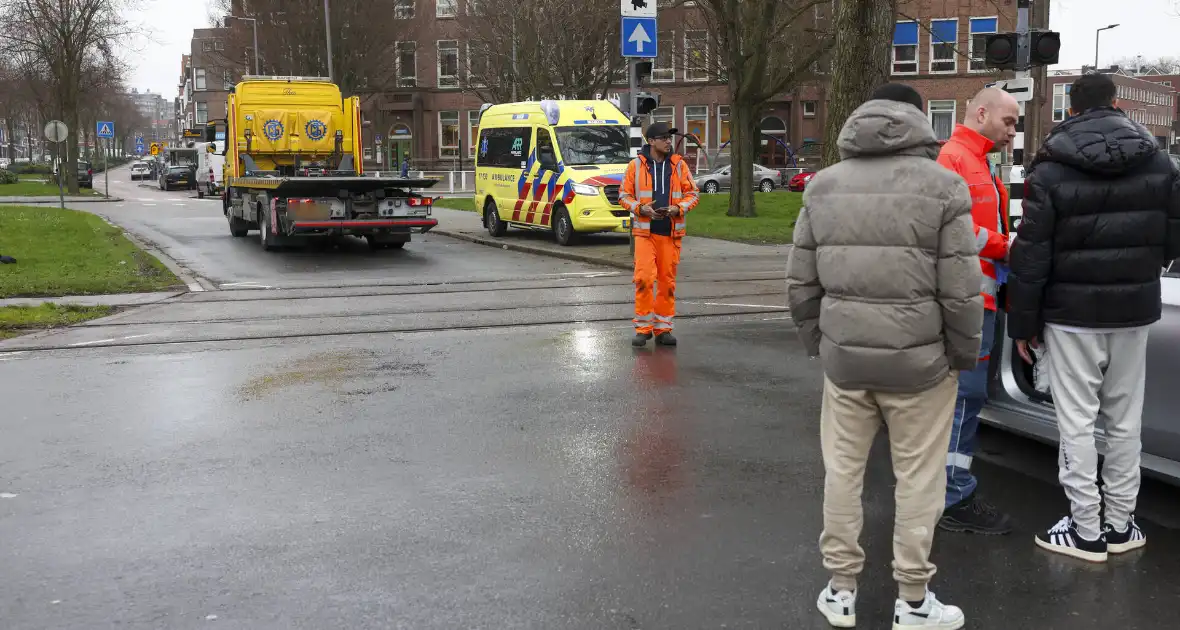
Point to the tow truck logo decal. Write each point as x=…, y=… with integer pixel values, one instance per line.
x=273, y=130
x=316, y=130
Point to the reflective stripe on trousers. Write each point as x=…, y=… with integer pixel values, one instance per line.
x=656, y=260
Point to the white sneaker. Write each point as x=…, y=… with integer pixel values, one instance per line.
x=932, y=615
x=839, y=607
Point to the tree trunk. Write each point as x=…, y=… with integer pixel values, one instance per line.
x=743, y=138
x=860, y=62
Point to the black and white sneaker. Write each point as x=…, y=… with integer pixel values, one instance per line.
x=1063, y=538
x=838, y=607
x=1129, y=539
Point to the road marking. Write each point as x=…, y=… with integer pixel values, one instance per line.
x=8, y=495
x=772, y=319
x=8, y=356
x=777, y=308
x=246, y=285
x=91, y=343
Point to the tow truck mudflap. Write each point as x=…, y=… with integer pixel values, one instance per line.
x=365, y=226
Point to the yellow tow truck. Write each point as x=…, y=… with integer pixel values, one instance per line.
x=293, y=168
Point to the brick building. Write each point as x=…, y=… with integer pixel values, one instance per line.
x=427, y=115
x=1172, y=82
x=1149, y=102
x=206, y=76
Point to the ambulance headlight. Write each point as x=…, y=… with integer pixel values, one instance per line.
x=586, y=189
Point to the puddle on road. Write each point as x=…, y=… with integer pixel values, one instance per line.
x=335, y=370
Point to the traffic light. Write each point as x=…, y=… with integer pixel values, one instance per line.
x=646, y=103
x=1045, y=47
x=1000, y=51
x=642, y=72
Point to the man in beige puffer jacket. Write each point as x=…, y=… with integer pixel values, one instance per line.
x=883, y=285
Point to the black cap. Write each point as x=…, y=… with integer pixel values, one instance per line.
x=660, y=129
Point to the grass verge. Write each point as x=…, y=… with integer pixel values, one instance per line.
x=20, y=320
x=39, y=189
x=775, y=223
x=66, y=252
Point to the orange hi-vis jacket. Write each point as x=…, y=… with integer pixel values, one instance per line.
x=637, y=191
x=966, y=154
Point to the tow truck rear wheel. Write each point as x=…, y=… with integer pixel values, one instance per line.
x=265, y=238
x=238, y=227
x=491, y=219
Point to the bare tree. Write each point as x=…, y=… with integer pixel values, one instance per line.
x=760, y=48
x=61, y=40
x=1144, y=65
x=524, y=49
x=860, y=62
x=292, y=40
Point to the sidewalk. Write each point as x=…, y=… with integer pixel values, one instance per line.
x=117, y=299
x=24, y=201
x=698, y=254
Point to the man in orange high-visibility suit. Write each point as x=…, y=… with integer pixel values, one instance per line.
x=990, y=125
x=658, y=190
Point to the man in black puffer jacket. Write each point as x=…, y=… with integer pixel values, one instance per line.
x=1101, y=220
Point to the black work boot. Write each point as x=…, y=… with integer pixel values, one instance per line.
x=665, y=339
x=640, y=339
x=975, y=516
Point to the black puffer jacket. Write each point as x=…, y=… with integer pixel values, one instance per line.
x=1101, y=220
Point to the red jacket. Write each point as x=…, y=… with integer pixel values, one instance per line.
x=966, y=154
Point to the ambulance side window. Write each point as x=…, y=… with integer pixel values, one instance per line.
x=546, y=155
x=504, y=147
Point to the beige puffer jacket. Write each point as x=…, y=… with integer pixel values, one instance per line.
x=884, y=277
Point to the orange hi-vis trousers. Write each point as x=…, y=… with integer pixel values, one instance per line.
x=656, y=259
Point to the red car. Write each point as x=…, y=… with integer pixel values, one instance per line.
x=800, y=181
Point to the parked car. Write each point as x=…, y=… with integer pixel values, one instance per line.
x=85, y=175
x=1016, y=405
x=140, y=170
x=765, y=179
x=800, y=181
x=182, y=176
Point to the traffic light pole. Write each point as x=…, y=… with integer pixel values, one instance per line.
x=632, y=112
x=1023, y=70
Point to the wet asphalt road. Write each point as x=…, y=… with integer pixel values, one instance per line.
x=477, y=454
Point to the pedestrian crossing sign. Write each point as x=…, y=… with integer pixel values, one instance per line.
x=106, y=130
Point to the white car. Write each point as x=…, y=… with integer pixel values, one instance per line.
x=140, y=170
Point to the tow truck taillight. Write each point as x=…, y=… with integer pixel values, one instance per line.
x=420, y=201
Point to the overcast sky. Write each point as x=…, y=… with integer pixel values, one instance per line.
x=1147, y=27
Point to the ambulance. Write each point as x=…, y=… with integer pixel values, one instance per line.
x=552, y=165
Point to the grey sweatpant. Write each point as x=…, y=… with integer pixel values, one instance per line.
x=1092, y=375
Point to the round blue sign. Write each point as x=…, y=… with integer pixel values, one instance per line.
x=316, y=130
x=273, y=130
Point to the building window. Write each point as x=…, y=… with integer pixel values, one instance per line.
x=942, y=117
x=446, y=8
x=403, y=9
x=1061, y=101
x=227, y=79
x=944, y=35
x=472, y=7
x=722, y=125
x=664, y=68
x=696, y=126
x=809, y=109
x=202, y=112
x=1168, y=83
x=368, y=153
x=448, y=134
x=478, y=68
x=905, y=48
x=406, y=63
x=696, y=56
x=472, y=132
x=200, y=80
x=980, y=29
x=219, y=44
x=664, y=114
x=206, y=46
x=448, y=63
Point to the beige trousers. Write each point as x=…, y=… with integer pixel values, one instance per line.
x=919, y=430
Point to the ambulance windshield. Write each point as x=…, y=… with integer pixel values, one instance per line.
x=598, y=144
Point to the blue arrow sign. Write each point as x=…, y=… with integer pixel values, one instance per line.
x=639, y=37
x=106, y=130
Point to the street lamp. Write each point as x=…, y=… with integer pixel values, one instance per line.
x=257, y=71
x=1096, y=34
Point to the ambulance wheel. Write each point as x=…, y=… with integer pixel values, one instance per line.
x=563, y=228
x=491, y=219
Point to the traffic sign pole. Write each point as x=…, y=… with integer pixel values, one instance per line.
x=106, y=172
x=638, y=30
